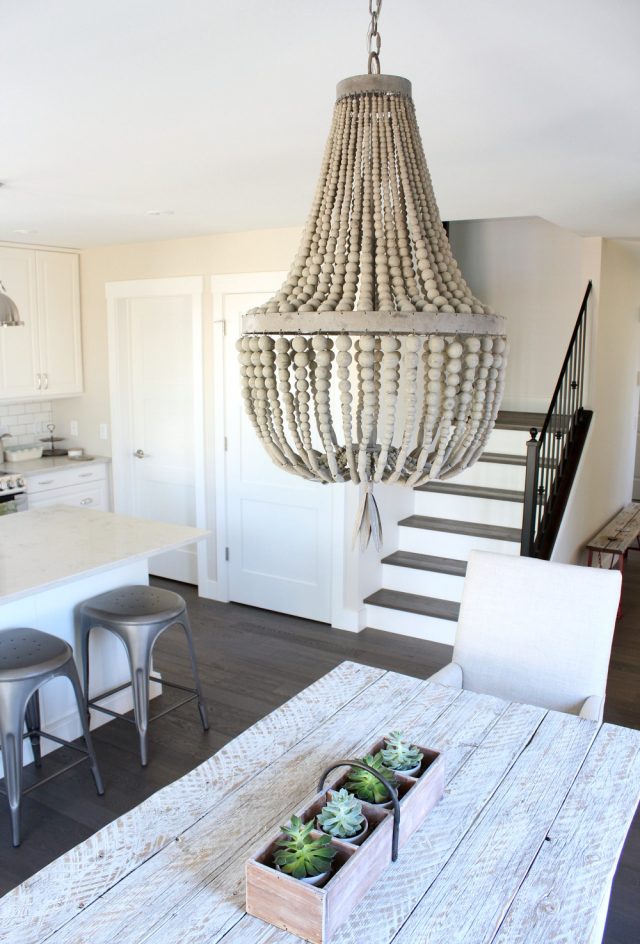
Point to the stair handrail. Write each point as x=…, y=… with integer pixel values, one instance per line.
x=547, y=453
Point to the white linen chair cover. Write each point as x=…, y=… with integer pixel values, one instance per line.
x=535, y=632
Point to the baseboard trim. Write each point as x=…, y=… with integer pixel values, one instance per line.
x=351, y=620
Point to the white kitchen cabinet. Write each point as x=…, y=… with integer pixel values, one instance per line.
x=43, y=359
x=83, y=487
x=19, y=357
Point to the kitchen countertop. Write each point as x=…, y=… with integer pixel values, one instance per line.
x=50, y=547
x=47, y=464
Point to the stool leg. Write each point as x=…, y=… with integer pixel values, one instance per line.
x=12, y=708
x=72, y=674
x=202, y=708
x=140, y=676
x=32, y=716
x=85, y=629
x=139, y=645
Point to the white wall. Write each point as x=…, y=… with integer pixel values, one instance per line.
x=531, y=272
x=605, y=477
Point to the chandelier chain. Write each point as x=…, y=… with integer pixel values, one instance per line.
x=373, y=37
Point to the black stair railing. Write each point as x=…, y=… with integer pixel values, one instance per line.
x=553, y=456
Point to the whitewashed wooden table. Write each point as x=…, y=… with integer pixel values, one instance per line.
x=522, y=847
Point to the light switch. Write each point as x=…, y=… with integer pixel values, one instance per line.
x=73, y=427
x=104, y=431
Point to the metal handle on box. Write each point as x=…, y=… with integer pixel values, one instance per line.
x=383, y=780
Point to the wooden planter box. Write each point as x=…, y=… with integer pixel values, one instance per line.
x=315, y=913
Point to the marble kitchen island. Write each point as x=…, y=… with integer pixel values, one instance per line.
x=54, y=558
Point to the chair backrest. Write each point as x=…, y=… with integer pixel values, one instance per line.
x=536, y=632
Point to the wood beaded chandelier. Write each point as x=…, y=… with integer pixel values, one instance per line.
x=374, y=362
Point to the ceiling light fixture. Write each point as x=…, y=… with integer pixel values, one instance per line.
x=160, y=212
x=375, y=323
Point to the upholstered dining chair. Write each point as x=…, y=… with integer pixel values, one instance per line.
x=535, y=632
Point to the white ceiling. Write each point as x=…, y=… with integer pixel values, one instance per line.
x=219, y=110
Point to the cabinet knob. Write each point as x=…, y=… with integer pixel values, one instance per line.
x=87, y=501
x=45, y=381
x=140, y=454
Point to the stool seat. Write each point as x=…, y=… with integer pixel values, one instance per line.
x=135, y=604
x=29, y=653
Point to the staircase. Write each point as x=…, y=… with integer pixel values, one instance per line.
x=481, y=509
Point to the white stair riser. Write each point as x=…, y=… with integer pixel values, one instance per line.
x=445, y=544
x=411, y=624
x=467, y=508
x=427, y=583
x=492, y=475
x=511, y=441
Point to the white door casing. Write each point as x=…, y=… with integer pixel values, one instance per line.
x=156, y=393
x=279, y=528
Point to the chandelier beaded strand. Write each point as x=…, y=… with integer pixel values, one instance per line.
x=374, y=362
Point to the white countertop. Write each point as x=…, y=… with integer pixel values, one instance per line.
x=51, y=546
x=50, y=464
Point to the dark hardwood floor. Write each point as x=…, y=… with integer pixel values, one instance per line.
x=252, y=661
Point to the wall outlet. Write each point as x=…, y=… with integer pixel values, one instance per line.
x=103, y=431
x=73, y=427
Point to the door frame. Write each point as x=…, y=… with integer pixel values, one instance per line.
x=242, y=283
x=119, y=295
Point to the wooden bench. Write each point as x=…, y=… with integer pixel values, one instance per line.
x=617, y=537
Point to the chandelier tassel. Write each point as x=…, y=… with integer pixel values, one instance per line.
x=368, y=525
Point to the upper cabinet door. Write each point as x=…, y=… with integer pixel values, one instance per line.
x=58, y=296
x=20, y=375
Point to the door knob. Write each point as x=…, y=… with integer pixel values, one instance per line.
x=140, y=454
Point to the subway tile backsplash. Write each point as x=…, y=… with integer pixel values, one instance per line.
x=27, y=422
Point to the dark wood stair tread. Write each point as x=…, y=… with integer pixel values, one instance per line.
x=472, y=491
x=493, y=531
x=437, y=565
x=414, y=603
x=514, y=419
x=502, y=458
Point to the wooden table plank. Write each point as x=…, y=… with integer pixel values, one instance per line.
x=171, y=878
x=560, y=896
x=477, y=885
x=56, y=894
x=471, y=785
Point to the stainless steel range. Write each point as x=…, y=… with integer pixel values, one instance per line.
x=13, y=496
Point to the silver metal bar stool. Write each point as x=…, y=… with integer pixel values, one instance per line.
x=28, y=659
x=138, y=615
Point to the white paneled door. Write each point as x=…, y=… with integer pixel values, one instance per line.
x=158, y=424
x=279, y=526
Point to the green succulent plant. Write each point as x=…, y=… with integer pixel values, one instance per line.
x=299, y=854
x=365, y=785
x=342, y=815
x=398, y=752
